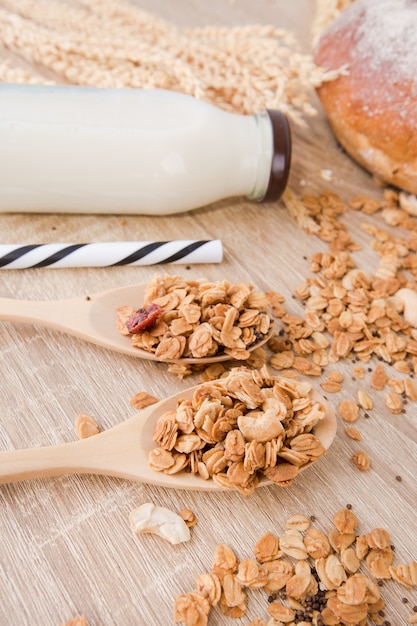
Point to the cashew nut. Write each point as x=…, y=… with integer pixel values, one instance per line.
x=408, y=298
x=353, y=277
x=261, y=427
x=408, y=203
x=149, y=518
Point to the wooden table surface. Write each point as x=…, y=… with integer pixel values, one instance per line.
x=66, y=545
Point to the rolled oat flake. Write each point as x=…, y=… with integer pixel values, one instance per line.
x=133, y=151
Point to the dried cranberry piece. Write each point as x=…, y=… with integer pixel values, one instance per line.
x=143, y=319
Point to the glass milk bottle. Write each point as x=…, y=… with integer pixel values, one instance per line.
x=155, y=152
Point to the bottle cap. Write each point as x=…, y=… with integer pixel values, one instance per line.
x=281, y=157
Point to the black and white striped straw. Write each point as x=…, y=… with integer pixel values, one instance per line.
x=109, y=254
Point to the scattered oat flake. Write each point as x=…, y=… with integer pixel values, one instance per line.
x=402, y=366
x=142, y=400
x=405, y=573
x=299, y=522
x=191, y=609
x=212, y=372
x=393, y=402
x=345, y=521
x=267, y=548
x=282, y=360
x=348, y=410
x=364, y=400
x=358, y=372
x=179, y=369
x=330, y=386
x=410, y=389
x=86, y=426
x=361, y=460
x=353, y=433
x=335, y=376
x=188, y=517
x=379, y=378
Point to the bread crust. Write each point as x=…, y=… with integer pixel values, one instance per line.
x=373, y=108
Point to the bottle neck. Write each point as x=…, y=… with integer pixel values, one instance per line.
x=264, y=159
x=274, y=156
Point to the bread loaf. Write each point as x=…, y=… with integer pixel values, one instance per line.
x=372, y=108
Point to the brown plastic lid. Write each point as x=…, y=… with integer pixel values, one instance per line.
x=281, y=158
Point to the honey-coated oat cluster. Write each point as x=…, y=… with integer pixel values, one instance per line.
x=198, y=319
x=351, y=315
x=310, y=577
x=240, y=428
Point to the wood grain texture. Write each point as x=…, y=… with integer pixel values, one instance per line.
x=66, y=544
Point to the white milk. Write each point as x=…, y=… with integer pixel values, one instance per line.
x=88, y=150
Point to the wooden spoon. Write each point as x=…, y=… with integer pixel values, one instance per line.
x=122, y=451
x=93, y=318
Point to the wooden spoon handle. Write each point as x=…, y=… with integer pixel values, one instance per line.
x=50, y=313
x=113, y=452
x=69, y=458
x=22, y=310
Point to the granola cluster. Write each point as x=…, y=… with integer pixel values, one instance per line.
x=200, y=319
x=364, y=317
x=349, y=313
x=239, y=428
x=309, y=577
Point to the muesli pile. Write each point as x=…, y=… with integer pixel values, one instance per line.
x=240, y=428
x=365, y=318
x=348, y=312
x=309, y=577
x=196, y=318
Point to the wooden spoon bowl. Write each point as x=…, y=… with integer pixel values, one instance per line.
x=122, y=451
x=93, y=319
